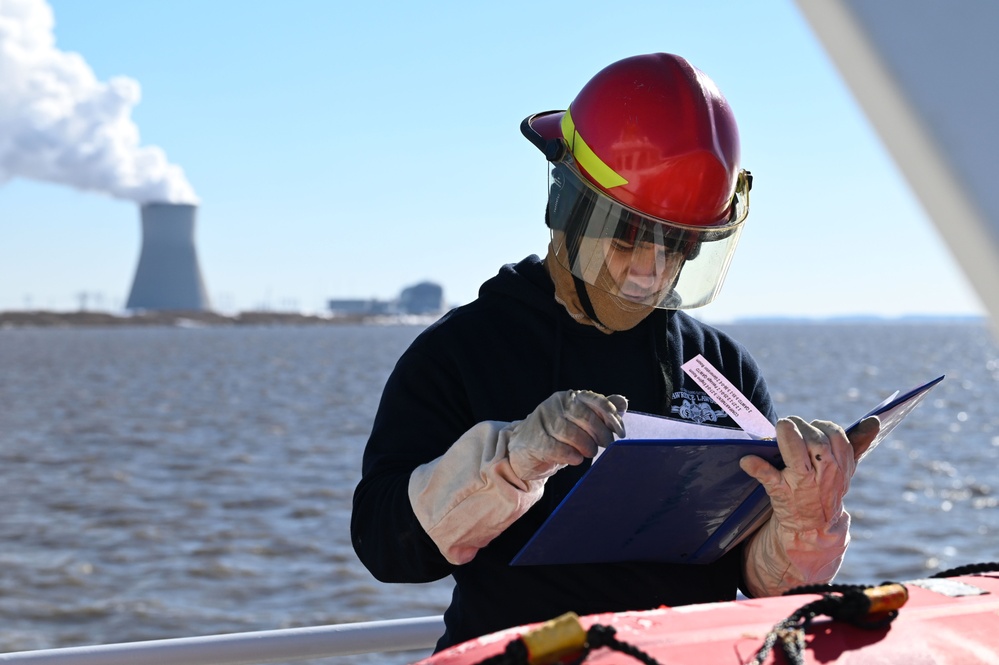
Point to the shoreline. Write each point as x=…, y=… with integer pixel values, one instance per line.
x=189, y=319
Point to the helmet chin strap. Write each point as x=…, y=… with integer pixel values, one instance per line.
x=584, y=301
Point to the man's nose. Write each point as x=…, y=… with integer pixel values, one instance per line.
x=646, y=260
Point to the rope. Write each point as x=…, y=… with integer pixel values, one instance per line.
x=514, y=654
x=969, y=569
x=604, y=636
x=862, y=606
x=827, y=588
x=598, y=636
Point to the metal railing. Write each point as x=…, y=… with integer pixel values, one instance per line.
x=251, y=648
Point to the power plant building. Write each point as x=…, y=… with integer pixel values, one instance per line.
x=168, y=276
x=425, y=298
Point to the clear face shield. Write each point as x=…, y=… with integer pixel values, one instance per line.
x=642, y=260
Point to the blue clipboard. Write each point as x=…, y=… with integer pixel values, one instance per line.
x=671, y=500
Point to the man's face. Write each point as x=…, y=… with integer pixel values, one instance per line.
x=641, y=271
x=646, y=261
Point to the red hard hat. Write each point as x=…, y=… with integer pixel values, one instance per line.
x=653, y=133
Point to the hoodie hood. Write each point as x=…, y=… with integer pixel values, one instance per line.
x=527, y=282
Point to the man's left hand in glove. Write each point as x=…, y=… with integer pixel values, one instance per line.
x=806, y=537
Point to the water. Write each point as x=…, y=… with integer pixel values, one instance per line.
x=165, y=482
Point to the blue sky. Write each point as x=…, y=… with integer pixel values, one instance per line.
x=353, y=149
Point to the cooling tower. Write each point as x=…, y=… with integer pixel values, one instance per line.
x=168, y=276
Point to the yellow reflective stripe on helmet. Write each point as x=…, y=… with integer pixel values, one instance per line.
x=605, y=176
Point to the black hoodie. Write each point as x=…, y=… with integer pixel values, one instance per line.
x=497, y=359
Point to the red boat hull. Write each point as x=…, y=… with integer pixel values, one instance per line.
x=952, y=620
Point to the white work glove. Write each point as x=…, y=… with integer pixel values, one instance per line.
x=496, y=471
x=564, y=430
x=807, y=535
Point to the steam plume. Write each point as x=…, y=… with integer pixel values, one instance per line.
x=59, y=124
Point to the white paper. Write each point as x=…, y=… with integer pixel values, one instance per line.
x=644, y=426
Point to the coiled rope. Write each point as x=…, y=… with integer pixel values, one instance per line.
x=865, y=607
x=563, y=640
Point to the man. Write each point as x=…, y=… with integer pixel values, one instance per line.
x=493, y=413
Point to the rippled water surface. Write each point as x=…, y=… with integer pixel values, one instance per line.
x=164, y=482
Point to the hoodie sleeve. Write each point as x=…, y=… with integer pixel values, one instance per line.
x=453, y=386
x=420, y=414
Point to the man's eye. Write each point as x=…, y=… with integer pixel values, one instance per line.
x=621, y=246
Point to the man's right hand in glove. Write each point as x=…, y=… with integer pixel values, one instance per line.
x=564, y=430
x=496, y=470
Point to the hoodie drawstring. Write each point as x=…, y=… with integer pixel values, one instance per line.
x=664, y=368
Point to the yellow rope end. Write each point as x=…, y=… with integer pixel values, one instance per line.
x=886, y=598
x=554, y=639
